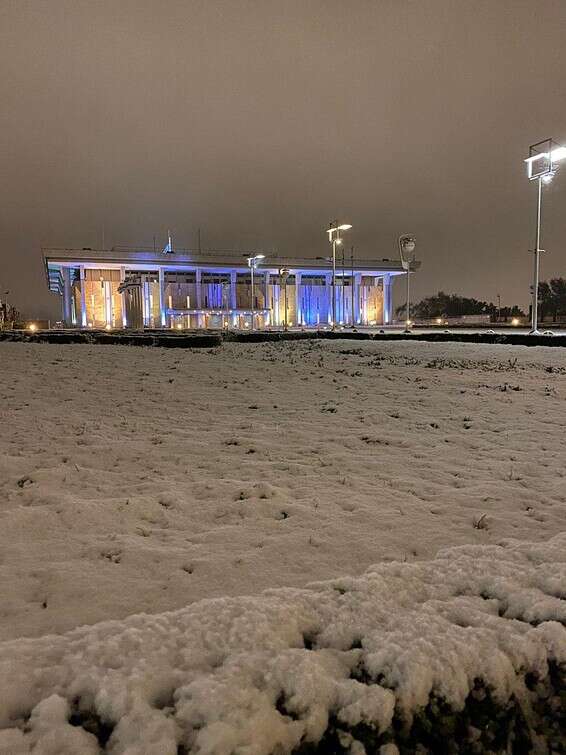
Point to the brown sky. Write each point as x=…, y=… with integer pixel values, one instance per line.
x=262, y=121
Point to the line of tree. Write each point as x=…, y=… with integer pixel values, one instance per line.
x=552, y=298
x=453, y=305
x=9, y=315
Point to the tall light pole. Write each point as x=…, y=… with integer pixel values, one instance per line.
x=541, y=167
x=407, y=246
x=252, y=264
x=334, y=238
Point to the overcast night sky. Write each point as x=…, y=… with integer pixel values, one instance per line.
x=259, y=122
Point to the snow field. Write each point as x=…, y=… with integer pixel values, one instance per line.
x=135, y=481
x=141, y=480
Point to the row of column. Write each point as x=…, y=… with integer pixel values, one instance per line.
x=68, y=307
x=387, y=297
x=69, y=314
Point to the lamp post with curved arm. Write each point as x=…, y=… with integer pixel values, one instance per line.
x=283, y=275
x=407, y=246
x=333, y=232
x=252, y=264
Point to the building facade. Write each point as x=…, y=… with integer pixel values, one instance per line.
x=124, y=288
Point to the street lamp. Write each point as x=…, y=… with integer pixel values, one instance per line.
x=407, y=246
x=252, y=264
x=541, y=167
x=334, y=238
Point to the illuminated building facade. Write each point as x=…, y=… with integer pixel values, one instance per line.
x=125, y=288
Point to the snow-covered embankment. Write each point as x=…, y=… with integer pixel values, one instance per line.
x=469, y=647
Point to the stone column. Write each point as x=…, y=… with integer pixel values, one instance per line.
x=233, y=297
x=108, y=309
x=267, y=319
x=275, y=319
x=298, y=309
x=387, y=300
x=83, y=296
x=123, y=295
x=198, y=285
x=356, y=288
x=162, y=315
x=145, y=301
x=328, y=296
x=67, y=296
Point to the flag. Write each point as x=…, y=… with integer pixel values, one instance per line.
x=168, y=249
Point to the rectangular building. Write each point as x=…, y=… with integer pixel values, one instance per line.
x=141, y=288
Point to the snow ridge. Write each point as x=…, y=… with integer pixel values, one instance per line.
x=275, y=673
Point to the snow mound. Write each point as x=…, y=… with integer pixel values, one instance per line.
x=384, y=662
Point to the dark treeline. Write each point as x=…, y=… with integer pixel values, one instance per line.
x=453, y=305
x=552, y=304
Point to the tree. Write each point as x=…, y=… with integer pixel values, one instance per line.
x=552, y=298
x=453, y=305
x=558, y=292
x=9, y=315
x=545, y=301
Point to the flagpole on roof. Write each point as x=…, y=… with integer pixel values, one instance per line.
x=168, y=249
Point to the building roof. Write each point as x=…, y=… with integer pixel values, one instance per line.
x=212, y=259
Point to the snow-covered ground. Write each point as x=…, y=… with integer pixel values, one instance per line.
x=137, y=480
x=141, y=480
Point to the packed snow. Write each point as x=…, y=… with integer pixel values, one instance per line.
x=141, y=480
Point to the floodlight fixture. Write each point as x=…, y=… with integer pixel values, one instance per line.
x=542, y=158
x=254, y=259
